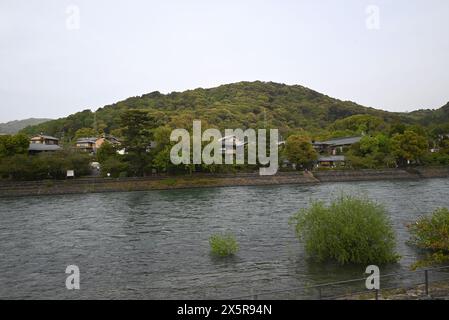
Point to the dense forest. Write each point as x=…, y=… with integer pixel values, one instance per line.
x=238, y=105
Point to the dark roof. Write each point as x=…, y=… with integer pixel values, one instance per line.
x=43, y=147
x=340, y=141
x=45, y=137
x=87, y=140
x=331, y=158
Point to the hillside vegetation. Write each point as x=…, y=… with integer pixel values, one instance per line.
x=14, y=127
x=143, y=124
x=238, y=105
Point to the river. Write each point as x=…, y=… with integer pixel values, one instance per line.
x=154, y=245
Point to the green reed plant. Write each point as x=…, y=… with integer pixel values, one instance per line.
x=223, y=244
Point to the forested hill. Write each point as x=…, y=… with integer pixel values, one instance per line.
x=17, y=125
x=239, y=105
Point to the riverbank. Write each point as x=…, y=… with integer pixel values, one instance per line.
x=92, y=185
x=439, y=291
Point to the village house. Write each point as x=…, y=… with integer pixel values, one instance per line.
x=107, y=138
x=331, y=161
x=43, y=139
x=43, y=143
x=86, y=144
x=335, y=146
x=92, y=144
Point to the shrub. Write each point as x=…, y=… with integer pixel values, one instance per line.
x=431, y=233
x=223, y=245
x=52, y=165
x=349, y=230
x=114, y=166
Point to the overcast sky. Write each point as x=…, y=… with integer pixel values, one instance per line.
x=54, y=62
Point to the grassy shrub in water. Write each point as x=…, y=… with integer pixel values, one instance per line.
x=432, y=233
x=349, y=230
x=223, y=245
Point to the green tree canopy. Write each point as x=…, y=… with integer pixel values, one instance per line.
x=13, y=144
x=137, y=133
x=408, y=146
x=299, y=151
x=85, y=133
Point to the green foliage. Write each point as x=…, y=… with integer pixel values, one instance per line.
x=85, y=133
x=238, y=105
x=13, y=144
x=432, y=234
x=14, y=127
x=360, y=123
x=137, y=135
x=371, y=152
x=223, y=245
x=294, y=110
x=299, y=151
x=436, y=159
x=408, y=146
x=44, y=166
x=115, y=166
x=349, y=230
x=106, y=151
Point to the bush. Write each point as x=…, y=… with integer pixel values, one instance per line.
x=349, y=230
x=431, y=233
x=52, y=165
x=115, y=166
x=223, y=245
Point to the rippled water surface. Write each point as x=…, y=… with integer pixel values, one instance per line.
x=154, y=244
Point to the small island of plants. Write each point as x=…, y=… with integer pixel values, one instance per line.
x=349, y=230
x=223, y=245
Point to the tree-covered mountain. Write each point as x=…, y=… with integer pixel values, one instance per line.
x=13, y=127
x=432, y=117
x=290, y=108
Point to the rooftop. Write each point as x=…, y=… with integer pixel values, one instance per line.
x=340, y=141
x=43, y=147
x=331, y=158
x=41, y=136
x=87, y=140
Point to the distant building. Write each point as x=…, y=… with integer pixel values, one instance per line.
x=43, y=143
x=86, y=144
x=107, y=138
x=92, y=144
x=335, y=146
x=331, y=161
x=43, y=139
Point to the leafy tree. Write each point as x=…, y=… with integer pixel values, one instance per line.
x=371, y=152
x=115, y=166
x=85, y=133
x=13, y=144
x=360, y=123
x=162, y=160
x=137, y=136
x=106, y=151
x=299, y=151
x=408, y=146
x=432, y=234
x=44, y=166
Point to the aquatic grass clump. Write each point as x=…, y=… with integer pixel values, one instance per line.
x=223, y=245
x=349, y=230
x=431, y=233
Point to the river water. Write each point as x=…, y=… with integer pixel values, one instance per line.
x=154, y=245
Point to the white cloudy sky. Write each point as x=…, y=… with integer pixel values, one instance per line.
x=128, y=48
